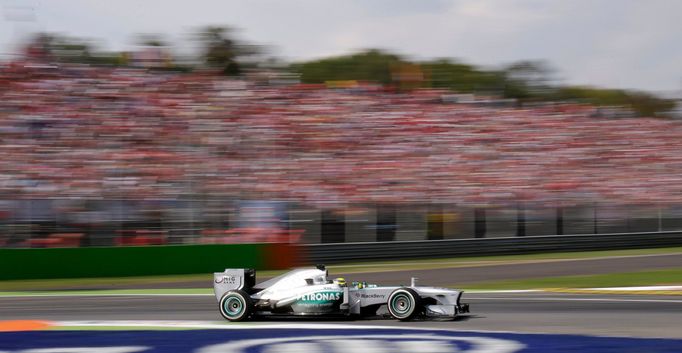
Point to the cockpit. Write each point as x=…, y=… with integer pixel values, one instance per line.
x=296, y=278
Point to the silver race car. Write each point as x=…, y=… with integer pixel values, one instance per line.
x=310, y=292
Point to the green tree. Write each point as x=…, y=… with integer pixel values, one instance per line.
x=644, y=104
x=221, y=49
x=534, y=74
x=528, y=80
x=370, y=65
x=63, y=49
x=445, y=73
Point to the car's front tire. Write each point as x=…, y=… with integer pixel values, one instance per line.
x=404, y=304
x=236, y=305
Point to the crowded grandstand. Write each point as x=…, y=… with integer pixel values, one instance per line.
x=75, y=135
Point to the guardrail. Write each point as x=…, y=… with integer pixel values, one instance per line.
x=396, y=250
x=122, y=261
x=187, y=259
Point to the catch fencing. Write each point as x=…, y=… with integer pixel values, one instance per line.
x=106, y=222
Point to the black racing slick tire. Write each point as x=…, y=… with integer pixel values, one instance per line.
x=404, y=304
x=236, y=305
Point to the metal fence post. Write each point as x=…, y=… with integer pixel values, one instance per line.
x=520, y=221
x=559, y=221
x=479, y=223
x=596, y=228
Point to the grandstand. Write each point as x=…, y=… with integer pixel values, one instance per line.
x=122, y=155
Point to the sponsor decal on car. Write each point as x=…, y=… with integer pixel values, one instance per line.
x=319, y=297
x=226, y=279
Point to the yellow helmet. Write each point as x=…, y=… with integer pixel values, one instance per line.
x=340, y=281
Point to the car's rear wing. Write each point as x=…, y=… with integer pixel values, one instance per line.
x=231, y=279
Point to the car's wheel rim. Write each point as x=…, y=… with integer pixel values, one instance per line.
x=401, y=304
x=233, y=307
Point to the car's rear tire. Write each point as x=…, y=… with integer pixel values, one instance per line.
x=404, y=304
x=236, y=305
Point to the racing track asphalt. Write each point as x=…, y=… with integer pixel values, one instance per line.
x=601, y=315
x=610, y=315
x=634, y=315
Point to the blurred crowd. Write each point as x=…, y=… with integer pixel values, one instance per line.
x=121, y=133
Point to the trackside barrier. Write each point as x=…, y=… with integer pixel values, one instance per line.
x=345, y=252
x=141, y=260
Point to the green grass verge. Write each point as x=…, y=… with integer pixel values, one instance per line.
x=97, y=283
x=672, y=276
x=376, y=266
x=111, y=283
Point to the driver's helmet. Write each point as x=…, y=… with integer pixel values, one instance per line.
x=340, y=281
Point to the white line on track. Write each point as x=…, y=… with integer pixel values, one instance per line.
x=646, y=288
x=198, y=324
x=616, y=300
x=510, y=291
x=94, y=294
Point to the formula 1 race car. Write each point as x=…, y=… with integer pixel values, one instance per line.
x=309, y=292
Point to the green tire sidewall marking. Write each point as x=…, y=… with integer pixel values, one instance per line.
x=396, y=298
x=229, y=301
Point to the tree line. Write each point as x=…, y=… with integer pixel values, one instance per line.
x=525, y=81
x=222, y=51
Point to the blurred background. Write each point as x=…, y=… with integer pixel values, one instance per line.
x=131, y=132
x=525, y=152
